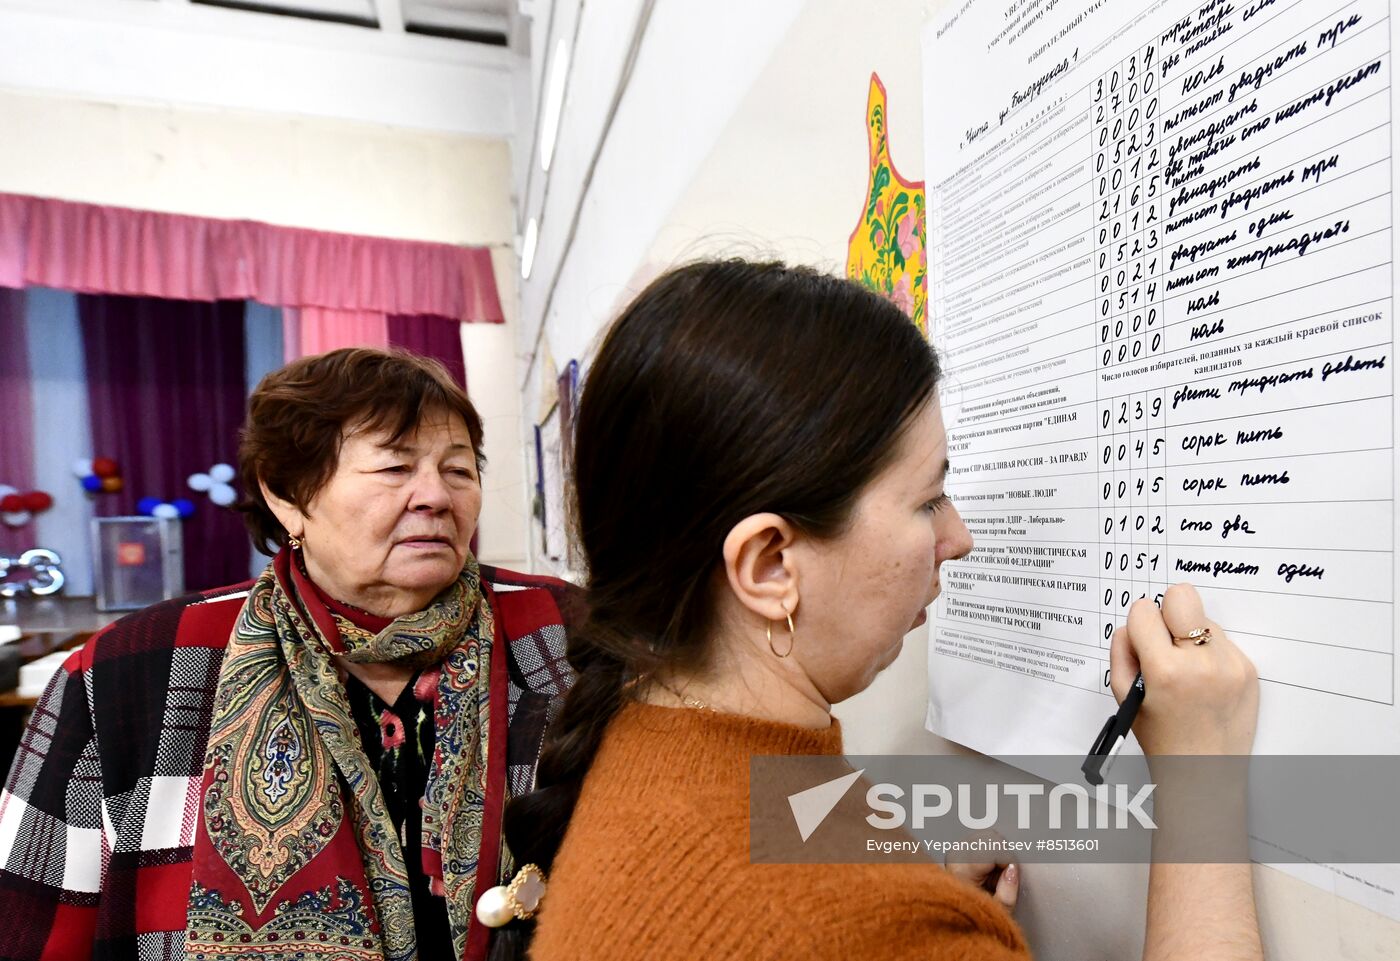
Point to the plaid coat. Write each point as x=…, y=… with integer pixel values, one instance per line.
x=97, y=818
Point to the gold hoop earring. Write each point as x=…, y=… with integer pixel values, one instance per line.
x=294, y=542
x=792, y=638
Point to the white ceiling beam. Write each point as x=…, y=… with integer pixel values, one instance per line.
x=186, y=53
x=242, y=24
x=390, y=15
x=350, y=9
x=421, y=13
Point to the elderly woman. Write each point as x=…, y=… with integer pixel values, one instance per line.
x=313, y=766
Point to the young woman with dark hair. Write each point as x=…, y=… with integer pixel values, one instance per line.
x=759, y=485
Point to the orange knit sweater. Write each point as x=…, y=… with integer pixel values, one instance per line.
x=655, y=864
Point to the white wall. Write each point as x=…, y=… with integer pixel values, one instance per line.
x=490, y=351
x=298, y=171
x=614, y=179
x=323, y=174
x=784, y=174
x=656, y=142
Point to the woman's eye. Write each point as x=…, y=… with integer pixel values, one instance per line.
x=395, y=469
x=938, y=503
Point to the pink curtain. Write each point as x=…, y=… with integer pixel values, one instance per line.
x=16, y=416
x=95, y=249
x=291, y=334
x=319, y=330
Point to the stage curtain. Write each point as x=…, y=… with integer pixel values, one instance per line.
x=166, y=393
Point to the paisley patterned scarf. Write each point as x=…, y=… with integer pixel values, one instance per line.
x=295, y=855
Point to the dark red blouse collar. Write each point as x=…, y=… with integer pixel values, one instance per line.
x=364, y=620
x=319, y=605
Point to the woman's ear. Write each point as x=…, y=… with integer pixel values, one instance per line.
x=760, y=567
x=293, y=521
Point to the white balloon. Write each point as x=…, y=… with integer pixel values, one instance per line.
x=165, y=510
x=222, y=473
x=200, y=482
x=6, y=490
x=16, y=519
x=223, y=495
x=82, y=467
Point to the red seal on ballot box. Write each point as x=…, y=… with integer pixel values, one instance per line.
x=131, y=554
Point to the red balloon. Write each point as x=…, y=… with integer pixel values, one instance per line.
x=12, y=503
x=105, y=467
x=36, y=501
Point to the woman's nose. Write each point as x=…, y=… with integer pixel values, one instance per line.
x=429, y=492
x=954, y=539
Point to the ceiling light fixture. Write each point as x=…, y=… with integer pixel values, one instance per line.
x=553, y=103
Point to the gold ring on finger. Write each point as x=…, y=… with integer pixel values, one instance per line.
x=1199, y=636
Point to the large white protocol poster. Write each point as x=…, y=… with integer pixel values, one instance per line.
x=1162, y=249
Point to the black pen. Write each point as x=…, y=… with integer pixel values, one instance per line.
x=1114, y=733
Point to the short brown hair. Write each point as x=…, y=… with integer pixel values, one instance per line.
x=298, y=417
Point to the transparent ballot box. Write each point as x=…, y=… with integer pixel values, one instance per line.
x=136, y=561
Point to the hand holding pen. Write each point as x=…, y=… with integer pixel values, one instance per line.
x=1182, y=684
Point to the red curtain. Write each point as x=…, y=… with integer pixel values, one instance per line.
x=16, y=416
x=435, y=337
x=166, y=394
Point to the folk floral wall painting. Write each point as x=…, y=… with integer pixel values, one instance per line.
x=886, y=250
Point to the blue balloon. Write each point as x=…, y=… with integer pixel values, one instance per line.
x=147, y=504
x=92, y=483
x=184, y=505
